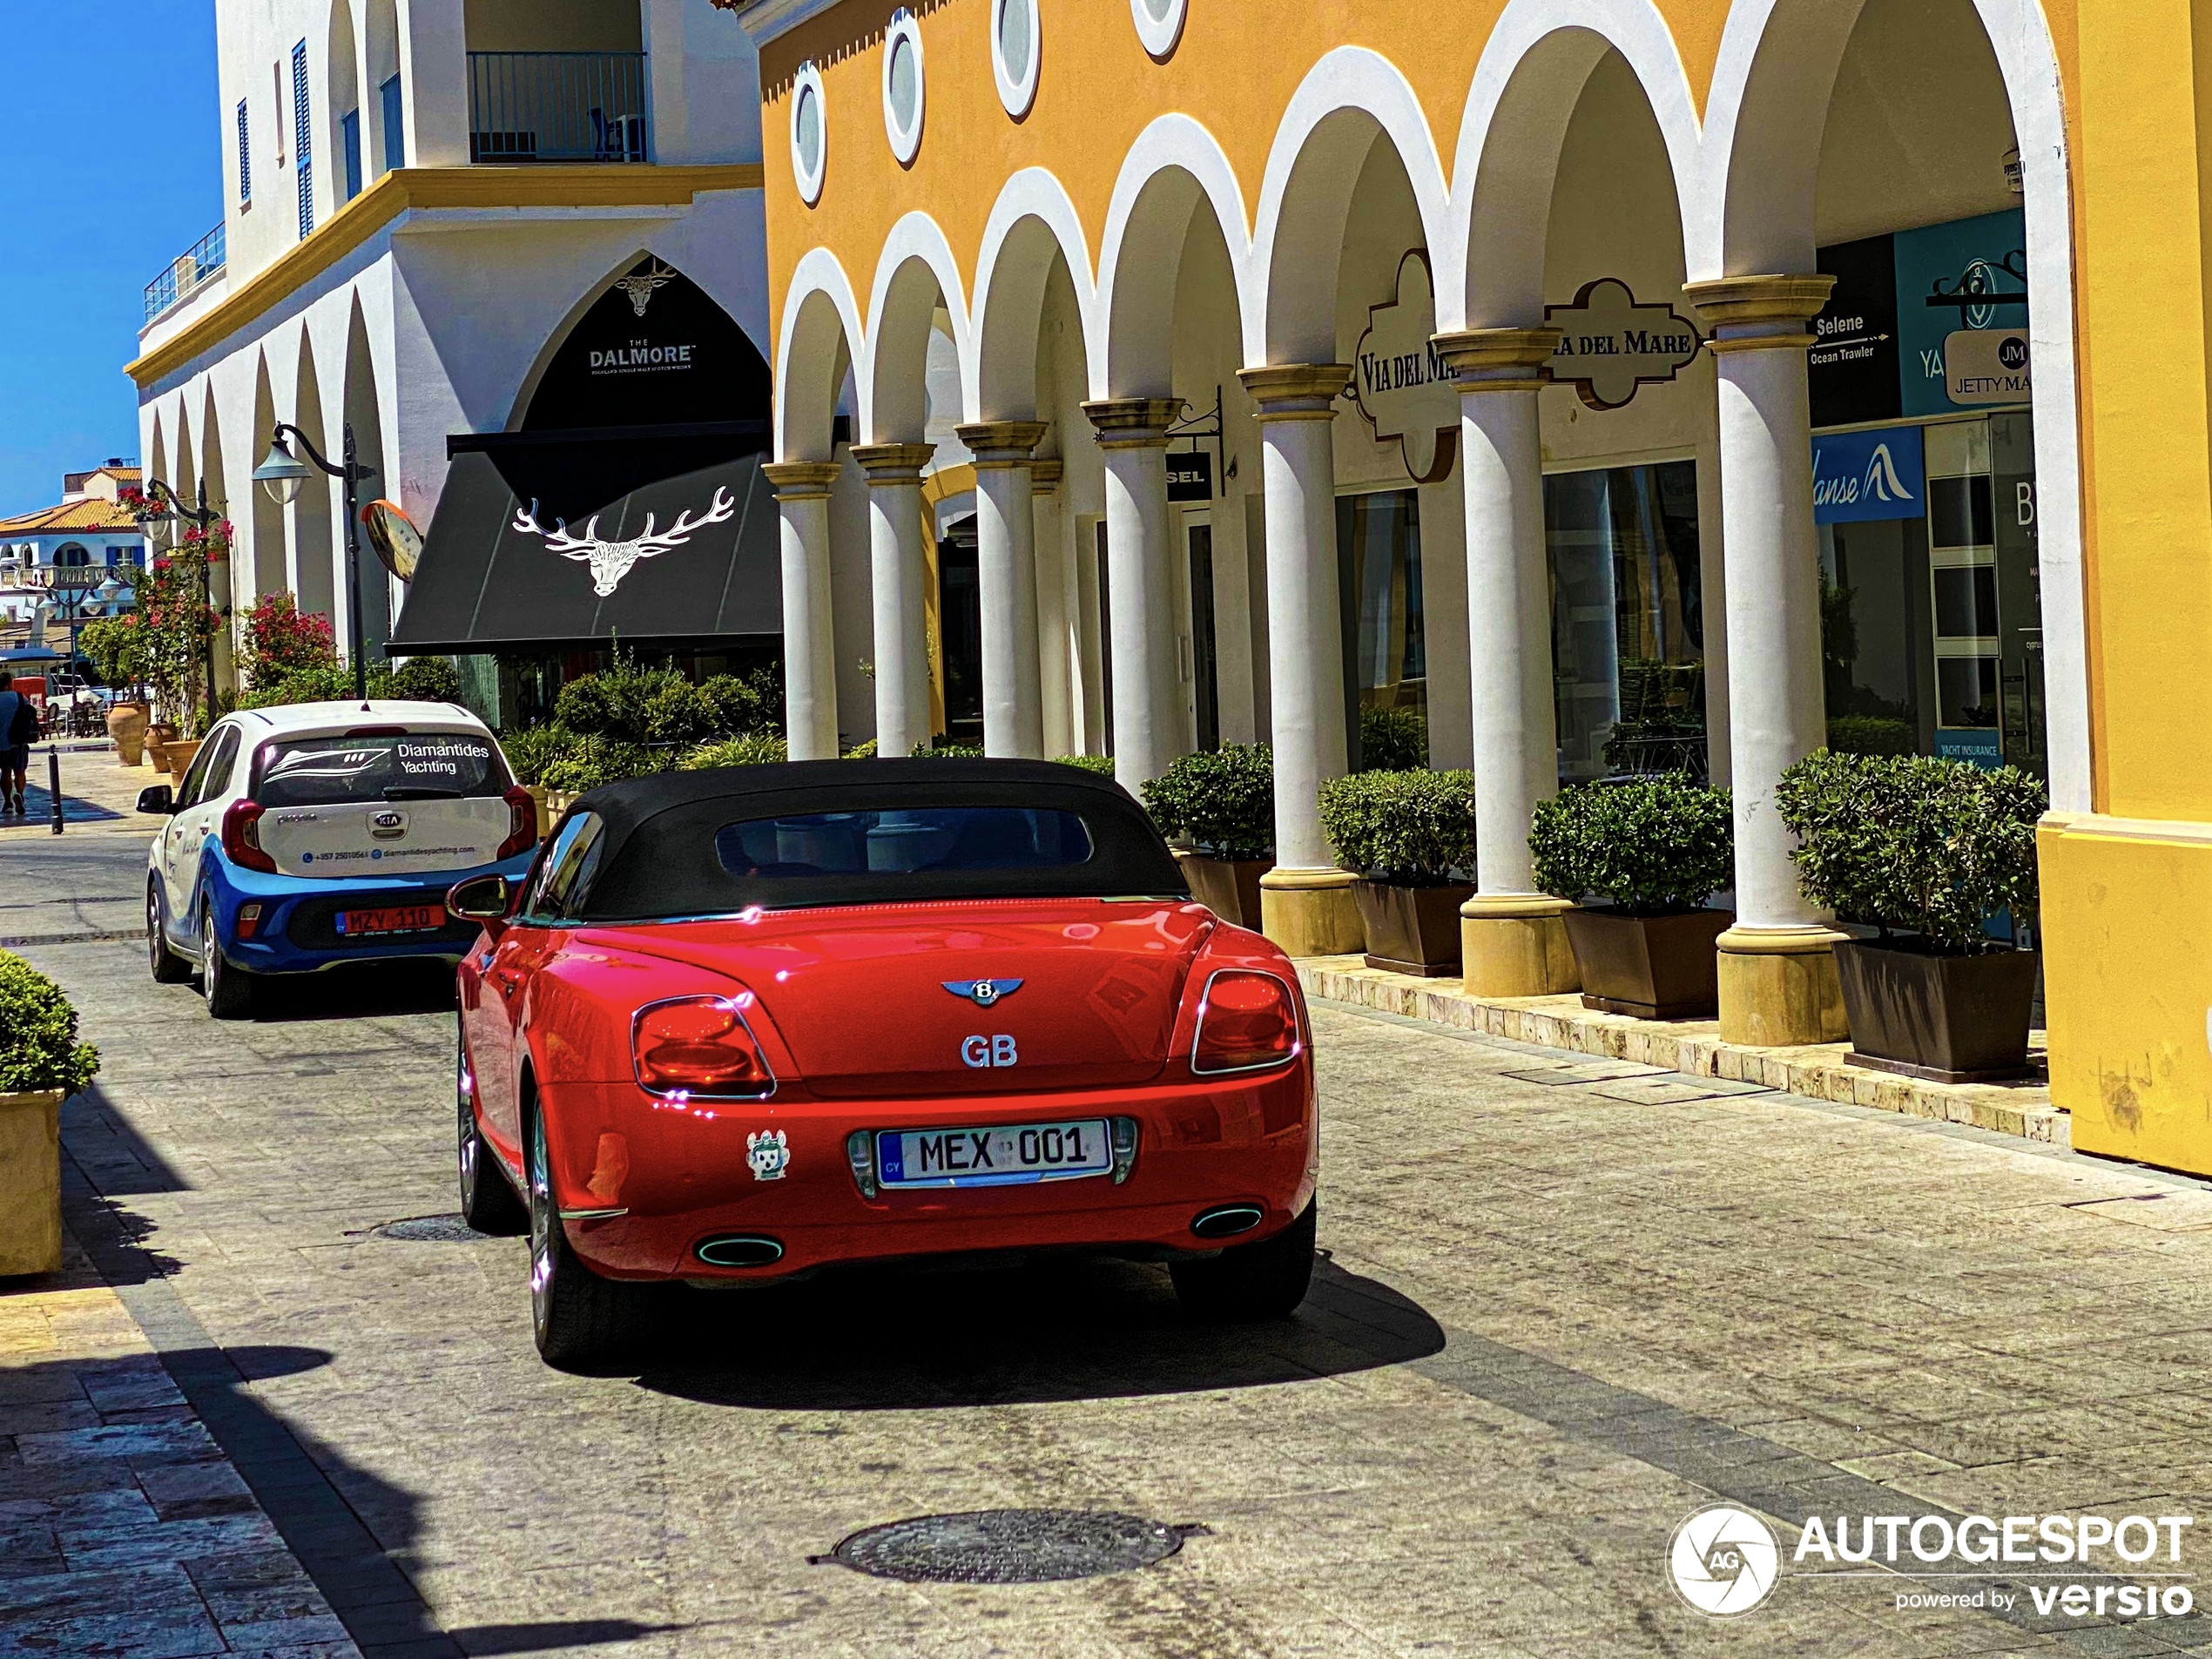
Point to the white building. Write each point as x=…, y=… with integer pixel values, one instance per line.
x=60, y=554
x=423, y=199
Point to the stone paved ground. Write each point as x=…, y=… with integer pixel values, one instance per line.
x=1562, y=1310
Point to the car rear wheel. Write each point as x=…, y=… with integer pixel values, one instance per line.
x=169, y=969
x=1262, y=1281
x=487, y=1201
x=229, y=990
x=577, y=1318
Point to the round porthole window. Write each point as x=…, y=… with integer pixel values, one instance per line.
x=1159, y=23
x=809, y=134
x=903, y=93
x=1014, y=53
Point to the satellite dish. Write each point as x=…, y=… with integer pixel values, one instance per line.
x=398, y=543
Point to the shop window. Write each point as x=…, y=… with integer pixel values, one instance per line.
x=1965, y=603
x=1378, y=554
x=1206, y=673
x=959, y=622
x=1628, y=626
x=1966, y=692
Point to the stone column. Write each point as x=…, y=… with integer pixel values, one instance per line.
x=810, y=642
x=1149, y=725
x=1513, y=939
x=901, y=641
x=1055, y=587
x=1305, y=901
x=1005, y=557
x=1777, y=973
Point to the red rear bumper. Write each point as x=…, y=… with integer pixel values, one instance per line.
x=681, y=1178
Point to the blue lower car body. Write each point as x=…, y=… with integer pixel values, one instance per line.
x=296, y=932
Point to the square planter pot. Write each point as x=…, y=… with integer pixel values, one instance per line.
x=30, y=1183
x=1412, y=930
x=1947, y=1019
x=1229, y=887
x=1653, y=967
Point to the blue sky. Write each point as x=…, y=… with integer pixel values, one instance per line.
x=115, y=170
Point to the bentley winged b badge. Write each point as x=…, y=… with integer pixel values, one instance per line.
x=983, y=992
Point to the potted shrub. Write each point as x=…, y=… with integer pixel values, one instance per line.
x=1221, y=807
x=1924, y=851
x=42, y=1063
x=1654, y=850
x=1409, y=837
x=1392, y=740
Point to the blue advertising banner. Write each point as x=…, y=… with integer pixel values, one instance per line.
x=1962, y=291
x=1861, y=476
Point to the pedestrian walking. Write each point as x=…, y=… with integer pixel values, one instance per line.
x=18, y=731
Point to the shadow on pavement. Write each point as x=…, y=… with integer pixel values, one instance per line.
x=887, y=1340
x=354, y=992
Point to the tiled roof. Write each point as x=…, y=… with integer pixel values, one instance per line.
x=93, y=513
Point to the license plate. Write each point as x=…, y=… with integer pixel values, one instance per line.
x=991, y=1157
x=392, y=919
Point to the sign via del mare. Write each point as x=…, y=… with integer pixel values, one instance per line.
x=1404, y=390
x=1610, y=345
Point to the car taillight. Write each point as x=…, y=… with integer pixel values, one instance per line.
x=699, y=1045
x=242, y=837
x=1246, y=1021
x=522, y=823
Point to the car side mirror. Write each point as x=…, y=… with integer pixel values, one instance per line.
x=158, y=798
x=481, y=898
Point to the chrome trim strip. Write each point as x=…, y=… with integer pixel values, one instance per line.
x=591, y=1215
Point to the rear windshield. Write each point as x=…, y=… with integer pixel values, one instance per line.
x=906, y=845
x=412, y=765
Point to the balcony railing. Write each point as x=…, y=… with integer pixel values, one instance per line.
x=202, y=264
x=556, y=106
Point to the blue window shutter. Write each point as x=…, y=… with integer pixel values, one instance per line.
x=350, y=127
x=245, y=158
x=394, y=125
x=302, y=133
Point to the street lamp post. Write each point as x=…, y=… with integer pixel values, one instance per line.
x=281, y=473
x=162, y=504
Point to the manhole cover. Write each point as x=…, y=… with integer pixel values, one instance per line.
x=431, y=1229
x=1009, y=1546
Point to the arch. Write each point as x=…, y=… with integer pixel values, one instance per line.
x=364, y=415
x=1174, y=167
x=343, y=71
x=1490, y=268
x=383, y=60
x=72, y=555
x=1780, y=57
x=1033, y=225
x=268, y=545
x=819, y=342
x=313, y=581
x=211, y=450
x=186, y=479
x=915, y=275
x=1321, y=145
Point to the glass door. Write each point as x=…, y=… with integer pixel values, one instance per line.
x=1962, y=576
x=1205, y=679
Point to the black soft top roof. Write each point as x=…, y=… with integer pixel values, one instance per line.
x=659, y=859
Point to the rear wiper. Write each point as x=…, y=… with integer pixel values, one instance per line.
x=420, y=791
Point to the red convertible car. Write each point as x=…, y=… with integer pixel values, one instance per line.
x=740, y=1026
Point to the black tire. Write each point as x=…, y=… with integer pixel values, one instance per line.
x=229, y=990
x=169, y=969
x=1247, y=1282
x=580, y=1320
x=489, y=1202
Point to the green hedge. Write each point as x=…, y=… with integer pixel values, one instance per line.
x=754, y=749
x=1931, y=846
x=1223, y=803
x=1102, y=764
x=1392, y=740
x=1651, y=846
x=1411, y=829
x=38, y=1045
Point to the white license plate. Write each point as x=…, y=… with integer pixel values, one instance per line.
x=991, y=1157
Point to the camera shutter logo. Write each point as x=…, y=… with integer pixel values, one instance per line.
x=1723, y=1560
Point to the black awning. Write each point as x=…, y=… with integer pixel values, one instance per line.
x=489, y=581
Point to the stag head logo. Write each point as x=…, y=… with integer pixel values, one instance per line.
x=611, y=561
x=642, y=287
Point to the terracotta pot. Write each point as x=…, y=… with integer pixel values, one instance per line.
x=1412, y=930
x=1653, y=967
x=127, y=723
x=1948, y=1019
x=30, y=1183
x=1229, y=887
x=157, y=735
x=179, y=752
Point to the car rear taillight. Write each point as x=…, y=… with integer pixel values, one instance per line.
x=242, y=837
x=699, y=1045
x=522, y=823
x=1246, y=1021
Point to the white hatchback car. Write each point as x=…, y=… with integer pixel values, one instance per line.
x=325, y=833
